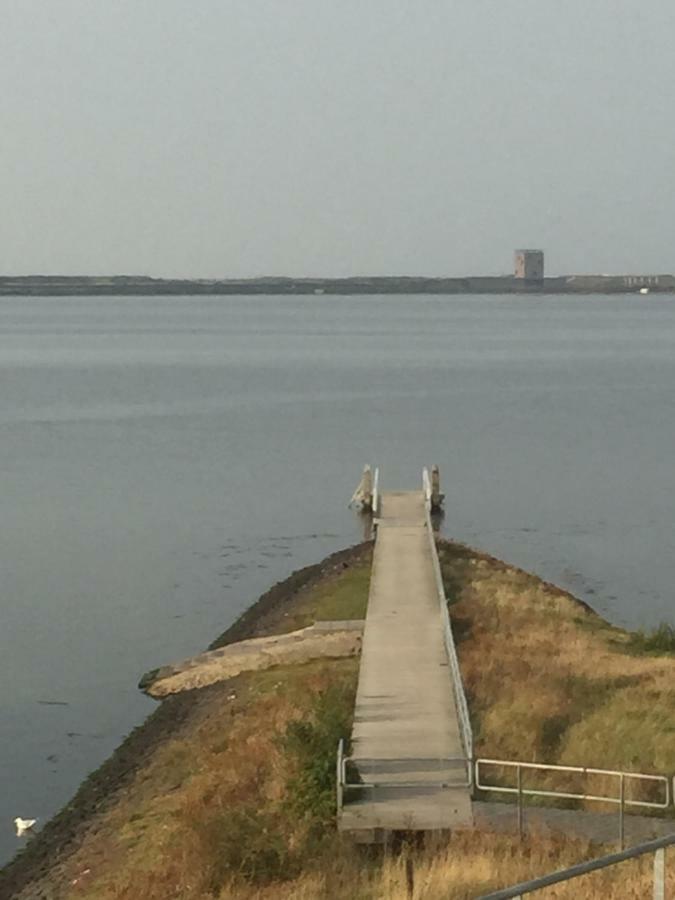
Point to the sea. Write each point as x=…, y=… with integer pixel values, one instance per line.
x=164, y=460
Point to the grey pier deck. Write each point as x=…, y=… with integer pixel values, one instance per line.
x=406, y=740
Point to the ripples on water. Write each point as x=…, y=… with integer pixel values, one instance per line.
x=164, y=461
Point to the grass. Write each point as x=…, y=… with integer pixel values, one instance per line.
x=233, y=797
x=659, y=642
x=237, y=802
x=344, y=596
x=548, y=680
x=336, y=591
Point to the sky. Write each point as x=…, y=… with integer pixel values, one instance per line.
x=233, y=138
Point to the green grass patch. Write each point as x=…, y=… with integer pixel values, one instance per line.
x=344, y=596
x=455, y=563
x=246, y=842
x=659, y=642
x=634, y=730
x=311, y=744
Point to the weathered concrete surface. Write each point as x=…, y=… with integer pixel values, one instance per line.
x=595, y=826
x=406, y=729
x=322, y=640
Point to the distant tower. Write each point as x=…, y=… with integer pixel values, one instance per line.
x=530, y=265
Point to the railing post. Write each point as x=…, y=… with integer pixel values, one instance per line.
x=660, y=874
x=520, y=802
x=340, y=789
x=622, y=811
x=410, y=876
x=426, y=488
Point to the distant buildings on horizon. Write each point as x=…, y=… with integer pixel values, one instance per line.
x=528, y=277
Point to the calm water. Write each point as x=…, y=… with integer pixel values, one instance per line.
x=164, y=460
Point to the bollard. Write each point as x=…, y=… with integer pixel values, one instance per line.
x=362, y=497
x=436, y=496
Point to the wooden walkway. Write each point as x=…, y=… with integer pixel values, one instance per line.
x=406, y=739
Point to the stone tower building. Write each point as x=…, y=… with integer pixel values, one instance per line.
x=530, y=265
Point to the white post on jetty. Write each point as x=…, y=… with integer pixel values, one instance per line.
x=432, y=489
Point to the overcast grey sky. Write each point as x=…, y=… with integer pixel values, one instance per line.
x=247, y=137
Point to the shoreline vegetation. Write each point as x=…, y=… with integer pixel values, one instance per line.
x=227, y=791
x=131, y=285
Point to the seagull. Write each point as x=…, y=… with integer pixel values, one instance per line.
x=23, y=826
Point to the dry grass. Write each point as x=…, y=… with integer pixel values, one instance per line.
x=548, y=680
x=462, y=868
x=532, y=654
x=213, y=801
x=209, y=815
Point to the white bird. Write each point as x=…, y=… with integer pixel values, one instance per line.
x=644, y=290
x=23, y=826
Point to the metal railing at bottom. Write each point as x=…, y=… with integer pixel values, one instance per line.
x=657, y=847
x=339, y=781
x=445, y=780
x=620, y=797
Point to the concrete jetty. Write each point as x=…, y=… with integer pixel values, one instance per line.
x=408, y=749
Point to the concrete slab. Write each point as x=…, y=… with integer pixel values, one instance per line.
x=595, y=826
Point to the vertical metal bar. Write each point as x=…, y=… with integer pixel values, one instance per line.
x=622, y=811
x=340, y=752
x=410, y=876
x=660, y=874
x=520, y=802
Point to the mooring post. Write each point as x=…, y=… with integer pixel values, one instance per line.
x=363, y=495
x=436, y=496
x=368, y=486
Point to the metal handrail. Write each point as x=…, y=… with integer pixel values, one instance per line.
x=458, y=684
x=340, y=775
x=578, y=770
x=621, y=800
x=345, y=785
x=657, y=847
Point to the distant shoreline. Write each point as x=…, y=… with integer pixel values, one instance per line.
x=124, y=285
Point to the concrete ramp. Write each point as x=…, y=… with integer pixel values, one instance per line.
x=406, y=742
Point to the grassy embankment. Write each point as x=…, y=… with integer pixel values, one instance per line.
x=237, y=800
x=549, y=680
